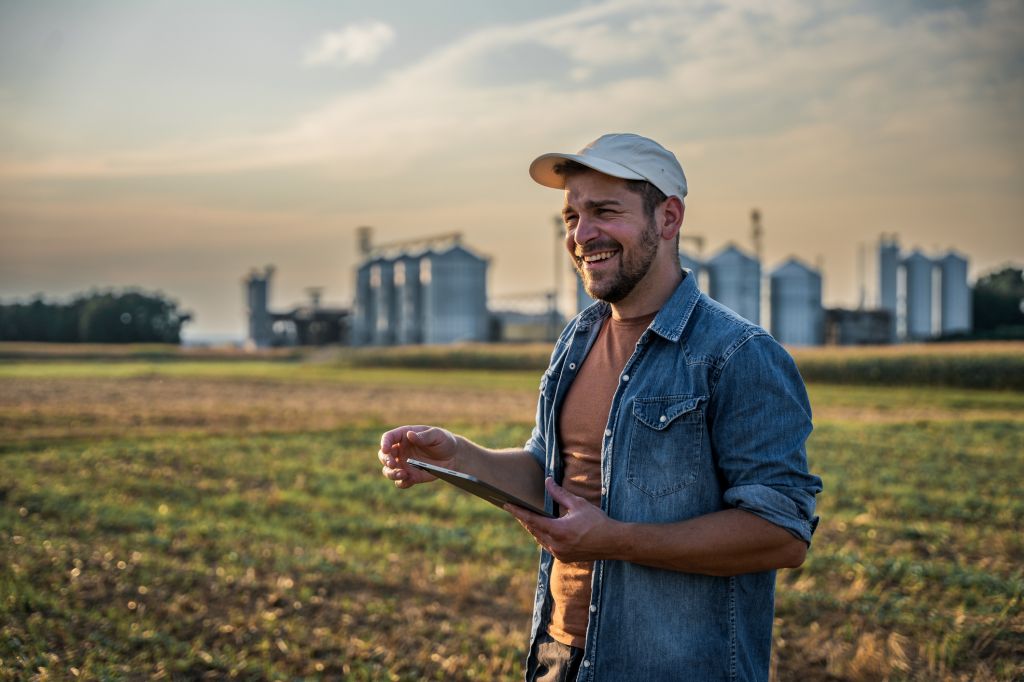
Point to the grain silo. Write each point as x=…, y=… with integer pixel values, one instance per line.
x=955, y=311
x=257, y=298
x=365, y=307
x=382, y=281
x=918, y=269
x=454, y=283
x=408, y=300
x=888, y=277
x=797, y=315
x=734, y=280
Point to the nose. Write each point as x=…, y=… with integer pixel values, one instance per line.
x=585, y=231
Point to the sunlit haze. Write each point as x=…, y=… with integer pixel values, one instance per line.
x=176, y=145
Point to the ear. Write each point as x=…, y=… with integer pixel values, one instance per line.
x=670, y=217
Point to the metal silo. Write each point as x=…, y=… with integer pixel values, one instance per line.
x=734, y=280
x=382, y=280
x=797, y=315
x=955, y=294
x=888, y=277
x=257, y=297
x=919, y=296
x=454, y=285
x=408, y=300
x=366, y=309
x=386, y=309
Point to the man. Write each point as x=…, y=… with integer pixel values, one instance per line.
x=669, y=438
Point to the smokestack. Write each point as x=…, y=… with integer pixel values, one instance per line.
x=757, y=233
x=364, y=239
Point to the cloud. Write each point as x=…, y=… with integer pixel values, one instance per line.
x=691, y=74
x=354, y=44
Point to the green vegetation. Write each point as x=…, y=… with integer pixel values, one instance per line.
x=129, y=316
x=182, y=519
x=965, y=365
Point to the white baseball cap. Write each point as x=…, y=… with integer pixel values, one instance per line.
x=621, y=155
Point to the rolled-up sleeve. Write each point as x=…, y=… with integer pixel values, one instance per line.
x=759, y=421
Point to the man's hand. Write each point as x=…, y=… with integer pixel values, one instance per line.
x=582, y=533
x=428, y=443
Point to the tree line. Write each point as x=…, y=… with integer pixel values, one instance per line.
x=129, y=316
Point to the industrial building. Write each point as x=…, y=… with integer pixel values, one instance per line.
x=431, y=290
x=434, y=291
x=304, y=325
x=927, y=297
x=797, y=316
x=734, y=280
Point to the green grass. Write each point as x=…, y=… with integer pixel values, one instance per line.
x=285, y=555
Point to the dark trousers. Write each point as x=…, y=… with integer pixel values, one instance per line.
x=554, y=662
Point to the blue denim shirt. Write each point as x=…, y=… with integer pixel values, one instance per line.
x=710, y=413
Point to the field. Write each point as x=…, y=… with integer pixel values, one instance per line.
x=177, y=516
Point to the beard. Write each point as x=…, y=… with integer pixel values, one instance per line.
x=612, y=287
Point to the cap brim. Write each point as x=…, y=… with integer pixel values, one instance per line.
x=542, y=170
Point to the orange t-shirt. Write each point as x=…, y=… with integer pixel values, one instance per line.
x=581, y=426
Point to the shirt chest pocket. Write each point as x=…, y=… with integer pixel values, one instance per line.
x=665, y=443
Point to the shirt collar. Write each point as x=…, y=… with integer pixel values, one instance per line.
x=675, y=314
x=671, y=319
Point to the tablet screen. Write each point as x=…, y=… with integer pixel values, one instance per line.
x=481, y=489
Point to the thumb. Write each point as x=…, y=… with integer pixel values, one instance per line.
x=563, y=497
x=432, y=438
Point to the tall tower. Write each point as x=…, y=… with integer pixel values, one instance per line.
x=888, y=277
x=919, y=296
x=955, y=316
x=257, y=297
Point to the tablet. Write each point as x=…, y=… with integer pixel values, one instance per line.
x=481, y=489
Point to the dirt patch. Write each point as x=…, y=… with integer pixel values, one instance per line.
x=61, y=408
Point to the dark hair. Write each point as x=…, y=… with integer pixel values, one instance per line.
x=652, y=196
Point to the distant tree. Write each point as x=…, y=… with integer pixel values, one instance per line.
x=998, y=301
x=130, y=316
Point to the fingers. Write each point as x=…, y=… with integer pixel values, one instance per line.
x=434, y=439
x=563, y=497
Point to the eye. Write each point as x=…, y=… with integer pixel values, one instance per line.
x=570, y=220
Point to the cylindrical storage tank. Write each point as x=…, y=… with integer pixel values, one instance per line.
x=257, y=299
x=797, y=315
x=734, y=280
x=956, y=294
x=888, y=277
x=918, y=268
x=382, y=280
x=455, y=296
x=408, y=303
x=366, y=309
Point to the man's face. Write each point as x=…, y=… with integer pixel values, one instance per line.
x=609, y=235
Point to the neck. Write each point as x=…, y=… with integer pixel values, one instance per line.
x=650, y=293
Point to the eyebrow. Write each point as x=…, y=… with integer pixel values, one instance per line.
x=594, y=203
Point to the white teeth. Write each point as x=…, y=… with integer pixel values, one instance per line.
x=594, y=257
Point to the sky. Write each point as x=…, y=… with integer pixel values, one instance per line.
x=176, y=145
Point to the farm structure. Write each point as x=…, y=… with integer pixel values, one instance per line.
x=434, y=290
x=926, y=297
x=311, y=324
x=431, y=291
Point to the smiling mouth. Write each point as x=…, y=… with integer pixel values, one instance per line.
x=597, y=257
